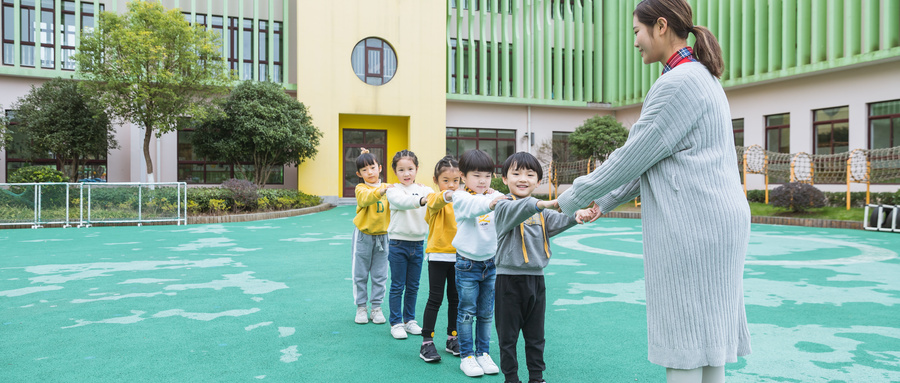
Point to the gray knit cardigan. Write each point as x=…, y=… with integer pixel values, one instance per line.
x=680, y=158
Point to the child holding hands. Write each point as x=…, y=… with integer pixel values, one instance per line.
x=370, y=239
x=524, y=229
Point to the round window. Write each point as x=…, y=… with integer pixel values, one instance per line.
x=374, y=61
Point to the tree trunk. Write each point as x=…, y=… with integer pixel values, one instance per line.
x=73, y=175
x=148, y=133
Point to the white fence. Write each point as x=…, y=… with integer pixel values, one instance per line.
x=87, y=203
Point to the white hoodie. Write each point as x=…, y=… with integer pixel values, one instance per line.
x=476, y=237
x=407, y=214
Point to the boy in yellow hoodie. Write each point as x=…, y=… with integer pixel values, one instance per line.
x=370, y=239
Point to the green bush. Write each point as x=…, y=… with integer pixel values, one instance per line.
x=796, y=196
x=498, y=185
x=839, y=199
x=36, y=174
x=243, y=192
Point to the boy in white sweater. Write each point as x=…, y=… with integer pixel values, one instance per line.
x=475, y=243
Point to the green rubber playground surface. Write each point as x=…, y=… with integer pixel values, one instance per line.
x=272, y=301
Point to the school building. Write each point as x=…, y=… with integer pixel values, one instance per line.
x=442, y=76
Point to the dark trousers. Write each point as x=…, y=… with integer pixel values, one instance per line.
x=440, y=274
x=519, y=304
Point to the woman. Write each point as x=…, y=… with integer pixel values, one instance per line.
x=680, y=158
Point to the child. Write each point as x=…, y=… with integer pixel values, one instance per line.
x=441, y=260
x=475, y=243
x=524, y=229
x=407, y=232
x=370, y=239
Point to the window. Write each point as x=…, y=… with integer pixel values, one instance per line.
x=232, y=54
x=276, y=59
x=9, y=19
x=20, y=154
x=247, y=41
x=67, y=45
x=778, y=133
x=738, y=126
x=374, y=61
x=884, y=124
x=263, y=41
x=194, y=169
x=497, y=143
x=832, y=130
x=26, y=33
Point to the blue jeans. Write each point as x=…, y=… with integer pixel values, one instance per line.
x=405, y=258
x=475, y=285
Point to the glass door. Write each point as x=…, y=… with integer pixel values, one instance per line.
x=354, y=140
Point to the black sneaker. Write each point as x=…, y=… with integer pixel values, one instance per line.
x=452, y=346
x=429, y=354
x=537, y=381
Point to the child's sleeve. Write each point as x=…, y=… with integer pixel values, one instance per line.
x=399, y=200
x=509, y=214
x=436, y=202
x=467, y=206
x=556, y=222
x=366, y=196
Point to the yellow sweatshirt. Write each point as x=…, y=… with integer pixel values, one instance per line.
x=441, y=225
x=372, y=213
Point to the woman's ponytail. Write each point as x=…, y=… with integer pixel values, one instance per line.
x=708, y=51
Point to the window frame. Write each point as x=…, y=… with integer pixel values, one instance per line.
x=735, y=131
x=830, y=123
x=889, y=117
x=498, y=162
x=6, y=6
x=781, y=130
x=205, y=162
x=46, y=161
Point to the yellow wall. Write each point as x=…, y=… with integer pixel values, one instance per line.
x=416, y=29
x=397, y=128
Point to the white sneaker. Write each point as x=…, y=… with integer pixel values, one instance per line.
x=398, y=332
x=377, y=316
x=362, y=317
x=471, y=367
x=487, y=364
x=413, y=328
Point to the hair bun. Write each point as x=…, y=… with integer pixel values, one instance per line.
x=363, y=150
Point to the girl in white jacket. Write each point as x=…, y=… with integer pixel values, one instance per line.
x=407, y=232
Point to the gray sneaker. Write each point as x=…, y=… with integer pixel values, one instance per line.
x=428, y=353
x=453, y=346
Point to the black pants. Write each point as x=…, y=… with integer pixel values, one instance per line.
x=519, y=305
x=440, y=274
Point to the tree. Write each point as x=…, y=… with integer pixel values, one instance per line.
x=151, y=67
x=598, y=137
x=4, y=129
x=59, y=118
x=259, y=124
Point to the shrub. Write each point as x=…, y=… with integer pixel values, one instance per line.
x=243, y=192
x=263, y=203
x=798, y=197
x=217, y=205
x=498, y=185
x=36, y=174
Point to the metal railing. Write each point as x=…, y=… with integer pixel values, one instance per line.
x=87, y=203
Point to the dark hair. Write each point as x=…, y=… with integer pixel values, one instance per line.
x=679, y=18
x=365, y=159
x=404, y=154
x=522, y=160
x=445, y=163
x=475, y=161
